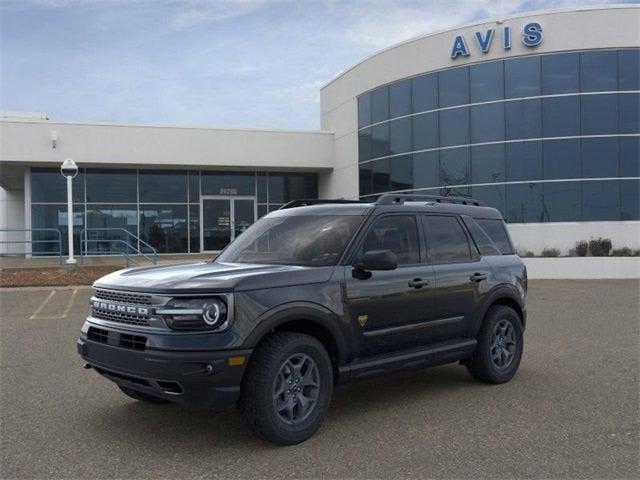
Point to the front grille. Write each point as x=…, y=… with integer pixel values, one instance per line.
x=133, y=342
x=123, y=297
x=98, y=335
x=127, y=318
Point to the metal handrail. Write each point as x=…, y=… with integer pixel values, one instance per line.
x=32, y=241
x=84, y=240
x=125, y=252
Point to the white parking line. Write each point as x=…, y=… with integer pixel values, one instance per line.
x=72, y=297
x=42, y=305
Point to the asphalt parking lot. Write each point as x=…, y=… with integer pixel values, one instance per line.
x=571, y=412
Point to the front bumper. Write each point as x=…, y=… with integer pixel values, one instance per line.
x=204, y=379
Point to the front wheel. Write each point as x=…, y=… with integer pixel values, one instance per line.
x=287, y=388
x=500, y=345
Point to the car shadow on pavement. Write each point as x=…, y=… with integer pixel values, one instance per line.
x=192, y=430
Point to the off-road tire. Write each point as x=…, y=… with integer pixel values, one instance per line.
x=143, y=397
x=256, y=404
x=481, y=366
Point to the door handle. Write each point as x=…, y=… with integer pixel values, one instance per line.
x=478, y=277
x=418, y=283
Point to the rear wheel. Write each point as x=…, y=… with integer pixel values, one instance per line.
x=143, y=397
x=287, y=388
x=500, y=345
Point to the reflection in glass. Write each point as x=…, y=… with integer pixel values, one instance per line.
x=522, y=77
x=599, y=114
x=562, y=201
x=380, y=105
x=425, y=131
x=561, y=159
x=424, y=92
x=292, y=186
x=599, y=71
x=560, y=73
x=364, y=110
x=163, y=186
x=453, y=87
x=400, y=98
x=381, y=175
x=400, y=135
x=488, y=164
x=629, y=156
x=523, y=119
x=454, y=167
x=629, y=112
x=228, y=183
x=561, y=116
x=598, y=157
x=454, y=127
x=490, y=195
x=629, y=69
x=487, y=81
x=48, y=185
x=165, y=227
x=194, y=186
x=112, y=186
x=110, y=221
x=380, y=140
x=426, y=169
x=55, y=216
x=524, y=203
x=401, y=173
x=600, y=200
x=629, y=195
x=523, y=161
x=487, y=123
x=364, y=144
x=194, y=228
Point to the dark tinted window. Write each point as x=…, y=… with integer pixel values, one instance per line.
x=487, y=123
x=629, y=69
x=454, y=127
x=194, y=186
x=425, y=131
x=629, y=195
x=400, y=135
x=487, y=81
x=365, y=178
x=485, y=245
x=523, y=119
x=426, y=167
x=629, y=111
x=522, y=77
x=562, y=201
x=561, y=116
x=600, y=200
x=599, y=71
x=400, y=98
x=364, y=144
x=454, y=167
x=630, y=156
x=194, y=228
x=453, y=87
x=487, y=164
x=380, y=140
x=48, y=185
x=497, y=231
x=599, y=157
x=523, y=161
x=381, y=175
x=424, y=93
x=261, y=186
x=398, y=234
x=55, y=216
x=599, y=114
x=284, y=187
x=165, y=227
x=112, y=186
x=163, y=186
x=490, y=195
x=364, y=110
x=401, y=172
x=380, y=104
x=524, y=203
x=446, y=240
x=561, y=159
x=560, y=73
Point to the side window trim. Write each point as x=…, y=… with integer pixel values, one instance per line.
x=470, y=242
x=368, y=227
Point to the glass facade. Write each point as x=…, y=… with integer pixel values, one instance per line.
x=161, y=207
x=543, y=138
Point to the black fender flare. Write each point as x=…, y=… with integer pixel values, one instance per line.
x=497, y=293
x=307, y=311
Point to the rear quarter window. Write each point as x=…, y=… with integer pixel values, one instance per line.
x=497, y=231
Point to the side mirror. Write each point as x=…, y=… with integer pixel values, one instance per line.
x=378, y=260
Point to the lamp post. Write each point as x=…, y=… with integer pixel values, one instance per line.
x=69, y=170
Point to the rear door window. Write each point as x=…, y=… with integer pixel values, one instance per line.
x=485, y=244
x=447, y=241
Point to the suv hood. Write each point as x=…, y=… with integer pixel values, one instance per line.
x=204, y=277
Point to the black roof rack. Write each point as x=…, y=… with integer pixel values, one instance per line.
x=306, y=203
x=400, y=198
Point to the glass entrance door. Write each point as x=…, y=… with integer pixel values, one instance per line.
x=223, y=219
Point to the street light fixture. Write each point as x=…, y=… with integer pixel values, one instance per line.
x=69, y=170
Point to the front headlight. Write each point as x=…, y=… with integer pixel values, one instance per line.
x=195, y=314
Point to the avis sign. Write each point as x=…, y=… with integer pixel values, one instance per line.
x=531, y=37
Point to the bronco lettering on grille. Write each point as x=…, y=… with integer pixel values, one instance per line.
x=112, y=307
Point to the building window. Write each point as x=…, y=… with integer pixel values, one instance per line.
x=170, y=186
x=48, y=185
x=560, y=73
x=487, y=81
x=380, y=105
x=424, y=93
x=599, y=71
x=522, y=77
x=400, y=99
x=112, y=186
x=453, y=87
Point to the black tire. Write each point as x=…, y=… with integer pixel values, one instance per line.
x=485, y=364
x=261, y=382
x=141, y=396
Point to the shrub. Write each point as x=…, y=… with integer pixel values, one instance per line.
x=550, y=252
x=600, y=247
x=582, y=248
x=526, y=253
x=624, y=252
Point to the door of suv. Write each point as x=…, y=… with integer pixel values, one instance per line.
x=462, y=277
x=387, y=308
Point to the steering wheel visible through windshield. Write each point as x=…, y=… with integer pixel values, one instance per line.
x=308, y=240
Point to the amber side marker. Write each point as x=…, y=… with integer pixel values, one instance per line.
x=236, y=361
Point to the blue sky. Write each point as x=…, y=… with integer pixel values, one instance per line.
x=243, y=63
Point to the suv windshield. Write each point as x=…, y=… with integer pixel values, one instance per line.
x=309, y=240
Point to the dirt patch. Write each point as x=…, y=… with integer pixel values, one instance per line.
x=53, y=276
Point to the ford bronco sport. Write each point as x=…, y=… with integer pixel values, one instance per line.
x=316, y=294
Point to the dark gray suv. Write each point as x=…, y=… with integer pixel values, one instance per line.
x=316, y=294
